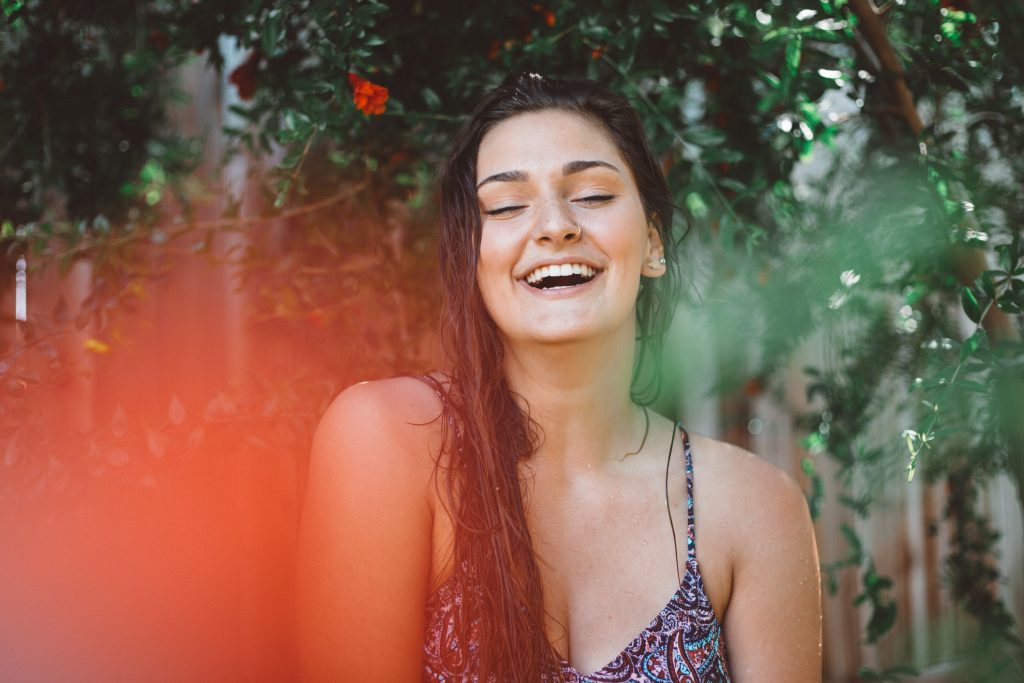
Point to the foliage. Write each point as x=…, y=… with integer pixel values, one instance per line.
x=876, y=247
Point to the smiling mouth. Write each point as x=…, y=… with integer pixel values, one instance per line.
x=561, y=277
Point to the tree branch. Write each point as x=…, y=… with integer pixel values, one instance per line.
x=968, y=263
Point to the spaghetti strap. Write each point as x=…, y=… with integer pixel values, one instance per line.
x=438, y=388
x=691, y=539
x=433, y=383
x=447, y=411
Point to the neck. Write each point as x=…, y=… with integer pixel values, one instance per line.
x=579, y=395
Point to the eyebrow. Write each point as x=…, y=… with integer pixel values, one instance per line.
x=522, y=176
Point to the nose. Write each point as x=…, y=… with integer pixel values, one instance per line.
x=555, y=224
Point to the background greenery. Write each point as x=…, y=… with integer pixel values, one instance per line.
x=901, y=242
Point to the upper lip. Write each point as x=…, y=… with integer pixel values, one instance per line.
x=557, y=262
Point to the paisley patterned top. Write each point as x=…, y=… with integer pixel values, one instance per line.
x=683, y=643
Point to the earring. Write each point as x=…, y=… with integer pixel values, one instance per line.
x=657, y=264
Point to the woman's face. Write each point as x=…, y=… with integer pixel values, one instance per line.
x=554, y=191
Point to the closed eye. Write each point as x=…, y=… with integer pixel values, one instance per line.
x=503, y=210
x=596, y=199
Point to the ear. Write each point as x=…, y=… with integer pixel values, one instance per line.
x=655, y=252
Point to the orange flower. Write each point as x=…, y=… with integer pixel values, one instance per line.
x=597, y=52
x=368, y=97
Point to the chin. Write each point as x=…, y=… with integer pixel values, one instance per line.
x=558, y=332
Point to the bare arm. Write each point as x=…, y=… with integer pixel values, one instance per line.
x=773, y=622
x=365, y=540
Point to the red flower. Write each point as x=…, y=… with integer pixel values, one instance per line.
x=368, y=97
x=244, y=76
x=549, y=17
x=597, y=52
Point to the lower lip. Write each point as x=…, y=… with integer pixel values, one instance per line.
x=562, y=292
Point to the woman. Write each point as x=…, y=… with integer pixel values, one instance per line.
x=533, y=531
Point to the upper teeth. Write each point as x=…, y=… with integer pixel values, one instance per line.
x=560, y=270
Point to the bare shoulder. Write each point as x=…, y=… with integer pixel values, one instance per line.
x=391, y=419
x=754, y=493
x=766, y=533
x=365, y=542
x=398, y=402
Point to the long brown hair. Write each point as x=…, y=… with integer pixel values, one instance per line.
x=493, y=553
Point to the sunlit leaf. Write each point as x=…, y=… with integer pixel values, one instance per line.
x=971, y=344
x=970, y=304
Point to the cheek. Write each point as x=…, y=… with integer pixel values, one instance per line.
x=492, y=269
x=628, y=238
x=496, y=255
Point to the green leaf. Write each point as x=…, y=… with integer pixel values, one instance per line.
x=291, y=158
x=695, y=203
x=970, y=305
x=793, y=50
x=971, y=385
x=971, y=344
x=431, y=99
x=882, y=619
x=282, y=194
x=1010, y=307
x=298, y=122
x=856, y=549
x=271, y=30
x=987, y=283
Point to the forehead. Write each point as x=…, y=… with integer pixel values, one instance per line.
x=542, y=142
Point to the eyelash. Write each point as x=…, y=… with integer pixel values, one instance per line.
x=503, y=210
x=597, y=198
x=593, y=198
